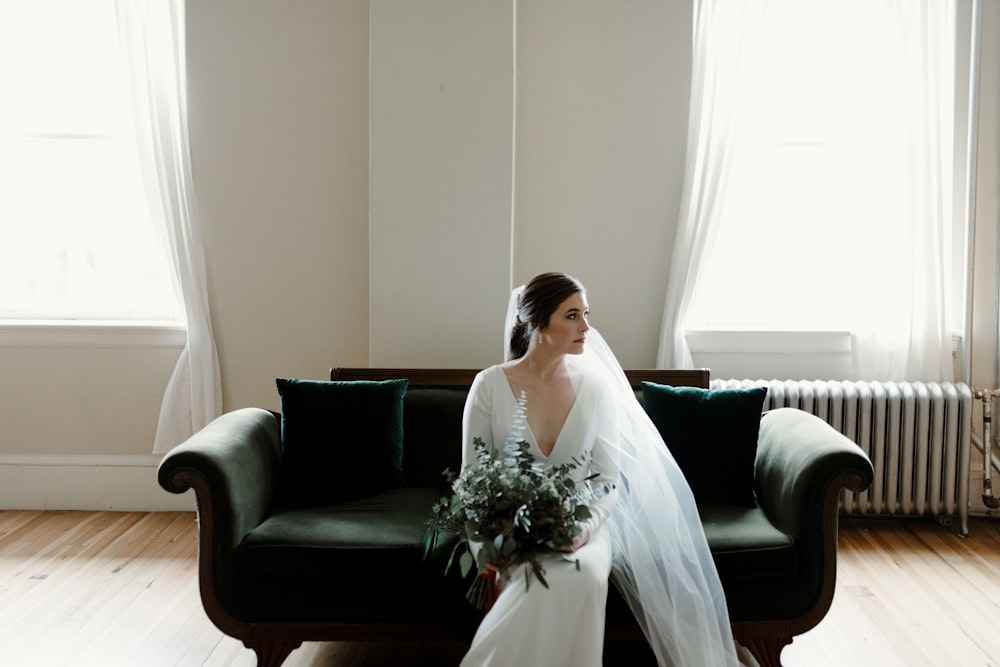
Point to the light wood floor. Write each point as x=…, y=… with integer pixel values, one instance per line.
x=102, y=588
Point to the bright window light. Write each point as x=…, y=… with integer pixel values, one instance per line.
x=817, y=217
x=78, y=242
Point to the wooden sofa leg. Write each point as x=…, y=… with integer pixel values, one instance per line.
x=767, y=650
x=272, y=654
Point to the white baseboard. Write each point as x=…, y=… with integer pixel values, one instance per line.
x=99, y=482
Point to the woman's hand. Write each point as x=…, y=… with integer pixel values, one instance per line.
x=579, y=540
x=492, y=573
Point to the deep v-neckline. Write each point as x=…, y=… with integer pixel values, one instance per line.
x=527, y=424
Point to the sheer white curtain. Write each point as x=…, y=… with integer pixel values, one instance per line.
x=909, y=336
x=152, y=38
x=820, y=177
x=722, y=30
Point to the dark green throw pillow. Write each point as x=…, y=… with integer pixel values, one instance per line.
x=340, y=439
x=712, y=435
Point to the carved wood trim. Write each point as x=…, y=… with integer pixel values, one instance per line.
x=462, y=377
x=422, y=377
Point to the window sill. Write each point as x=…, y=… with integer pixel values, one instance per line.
x=781, y=354
x=769, y=353
x=759, y=341
x=92, y=333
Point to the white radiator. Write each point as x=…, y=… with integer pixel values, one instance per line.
x=917, y=435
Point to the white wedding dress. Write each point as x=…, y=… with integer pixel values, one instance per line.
x=562, y=624
x=647, y=533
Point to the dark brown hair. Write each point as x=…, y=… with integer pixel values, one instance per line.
x=540, y=299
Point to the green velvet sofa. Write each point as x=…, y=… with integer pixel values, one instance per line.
x=274, y=572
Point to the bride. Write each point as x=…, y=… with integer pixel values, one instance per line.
x=645, y=534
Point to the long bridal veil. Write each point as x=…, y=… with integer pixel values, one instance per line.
x=661, y=561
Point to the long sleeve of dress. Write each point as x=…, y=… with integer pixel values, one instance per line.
x=605, y=462
x=477, y=418
x=477, y=423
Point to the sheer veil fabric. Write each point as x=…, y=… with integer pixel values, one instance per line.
x=661, y=562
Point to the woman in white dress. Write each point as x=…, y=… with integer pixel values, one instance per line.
x=645, y=533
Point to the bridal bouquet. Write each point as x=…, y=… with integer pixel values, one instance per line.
x=512, y=507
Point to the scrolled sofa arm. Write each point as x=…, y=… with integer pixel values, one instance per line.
x=801, y=461
x=802, y=465
x=232, y=466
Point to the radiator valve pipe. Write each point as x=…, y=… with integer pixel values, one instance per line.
x=987, y=396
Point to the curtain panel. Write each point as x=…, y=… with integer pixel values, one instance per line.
x=151, y=33
x=720, y=28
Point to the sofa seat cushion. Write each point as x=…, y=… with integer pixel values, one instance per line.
x=378, y=536
x=745, y=544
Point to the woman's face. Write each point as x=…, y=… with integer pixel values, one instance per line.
x=568, y=326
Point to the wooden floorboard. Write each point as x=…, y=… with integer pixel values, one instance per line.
x=106, y=588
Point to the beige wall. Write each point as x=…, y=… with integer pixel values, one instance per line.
x=357, y=221
x=602, y=104
x=442, y=123
x=279, y=139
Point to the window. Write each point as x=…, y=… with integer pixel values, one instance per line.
x=844, y=198
x=77, y=239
